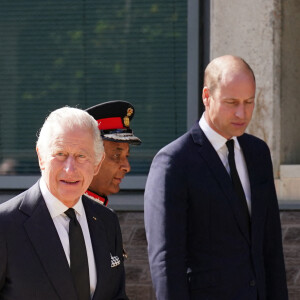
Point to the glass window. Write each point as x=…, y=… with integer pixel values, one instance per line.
x=80, y=53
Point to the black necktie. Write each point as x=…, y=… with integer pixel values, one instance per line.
x=237, y=185
x=78, y=258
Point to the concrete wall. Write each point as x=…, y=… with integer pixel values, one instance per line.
x=290, y=83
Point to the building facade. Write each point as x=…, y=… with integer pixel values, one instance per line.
x=151, y=53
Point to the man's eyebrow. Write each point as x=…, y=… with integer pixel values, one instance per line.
x=252, y=97
x=121, y=149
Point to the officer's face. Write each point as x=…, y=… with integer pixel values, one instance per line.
x=68, y=166
x=228, y=109
x=113, y=169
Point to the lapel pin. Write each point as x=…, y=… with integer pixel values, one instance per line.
x=95, y=218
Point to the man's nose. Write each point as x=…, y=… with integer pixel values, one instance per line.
x=240, y=111
x=125, y=166
x=70, y=164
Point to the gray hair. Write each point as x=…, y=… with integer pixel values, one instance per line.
x=68, y=118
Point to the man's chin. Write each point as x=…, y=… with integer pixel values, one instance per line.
x=114, y=190
x=238, y=132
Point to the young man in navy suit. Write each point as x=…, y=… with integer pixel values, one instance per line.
x=211, y=212
x=56, y=243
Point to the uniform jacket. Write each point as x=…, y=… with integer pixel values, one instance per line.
x=198, y=248
x=33, y=264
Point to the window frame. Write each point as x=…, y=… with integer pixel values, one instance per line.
x=196, y=58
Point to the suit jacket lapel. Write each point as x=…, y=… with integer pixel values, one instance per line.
x=218, y=170
x=44, y=238
x=100, y=245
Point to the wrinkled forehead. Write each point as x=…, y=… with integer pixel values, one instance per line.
x=67, y=137
x=58, y=131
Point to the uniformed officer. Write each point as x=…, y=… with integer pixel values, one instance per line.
x=113, y=119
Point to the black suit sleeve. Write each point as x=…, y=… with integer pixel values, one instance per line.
x=276, y=288
x=166, y=225
x=3, y=260
x=121, y=295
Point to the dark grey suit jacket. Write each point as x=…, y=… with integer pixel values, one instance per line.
x=198, y=247
x=33, y=264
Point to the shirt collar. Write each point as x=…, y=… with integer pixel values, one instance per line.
x=217, y=140
x=101, y=199
x=55, y=206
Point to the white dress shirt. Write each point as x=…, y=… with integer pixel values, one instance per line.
x=219, y=144
x=61, y=221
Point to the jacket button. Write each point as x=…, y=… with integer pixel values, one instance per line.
x=252, y=283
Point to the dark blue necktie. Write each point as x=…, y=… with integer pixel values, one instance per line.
x=78, y=258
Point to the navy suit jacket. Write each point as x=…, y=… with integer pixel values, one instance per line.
x=198, y=247
x=33, y=264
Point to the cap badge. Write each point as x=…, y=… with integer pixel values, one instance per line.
x=129, y=111
x=126, y=121
x=126, y=118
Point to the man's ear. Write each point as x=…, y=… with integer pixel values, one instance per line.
x=97, y=168
x=41, y=160
x=205, y=96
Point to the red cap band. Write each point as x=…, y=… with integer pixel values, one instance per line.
x=110, y=123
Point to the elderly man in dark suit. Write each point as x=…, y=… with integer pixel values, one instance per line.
x=54, y=242
x=211, y=212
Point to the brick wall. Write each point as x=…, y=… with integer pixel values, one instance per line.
x=138, y=279
x=290, y=221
